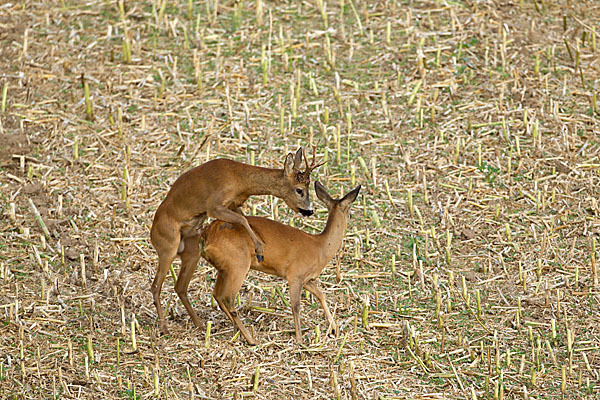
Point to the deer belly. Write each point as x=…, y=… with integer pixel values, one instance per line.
x=267, y=268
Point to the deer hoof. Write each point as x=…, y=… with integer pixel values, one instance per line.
x=334, y=330
x=260, y=257
x=164, y=331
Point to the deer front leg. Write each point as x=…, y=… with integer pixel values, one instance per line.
x=295, y=292
x=225, y=214
x=313, y=287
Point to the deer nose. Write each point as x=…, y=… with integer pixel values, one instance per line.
x=306, y=213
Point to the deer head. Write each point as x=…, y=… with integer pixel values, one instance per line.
x=336, y=205
x=296, y=195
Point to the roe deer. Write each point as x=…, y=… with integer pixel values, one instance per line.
x=289, y=253
x=217, y=189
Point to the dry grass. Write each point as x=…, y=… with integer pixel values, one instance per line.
x=469, y=266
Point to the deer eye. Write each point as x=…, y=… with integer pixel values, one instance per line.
x=299, y=191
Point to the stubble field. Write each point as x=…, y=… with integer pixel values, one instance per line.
x=469, y=266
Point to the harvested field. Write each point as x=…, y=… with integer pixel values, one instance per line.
x=469, y=268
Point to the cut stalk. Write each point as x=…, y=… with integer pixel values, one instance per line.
x=83, y=274
x=259, y=12
x=334, y=384
x=37, y=216
x=90, y=348
x=255, y=378
x=388, y=33
x=4, y=97
x=363, y=164
x=414, y=92
x=339, y=352
x=339, y=144
x=75, y=148
x=126, y=48
x=360, y=26
x=593, y=261
x=133, y=339
x=207, y=338
x=89, y=107
x=387, y=191
x=122, y=10
x=190, y=10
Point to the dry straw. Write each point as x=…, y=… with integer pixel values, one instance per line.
x=472, y=127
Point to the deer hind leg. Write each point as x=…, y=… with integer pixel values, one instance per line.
x=228, y=285
x=313, y=287
x=225, y=214
x=189, y=261
x=295, y=292
x=165, y=239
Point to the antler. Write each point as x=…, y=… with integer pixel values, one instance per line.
x=306, y=160
x=313, y=165
x=304, y=176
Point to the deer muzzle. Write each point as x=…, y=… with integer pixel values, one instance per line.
x=306, y=213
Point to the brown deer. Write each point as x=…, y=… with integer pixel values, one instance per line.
x=289, y=253
x=217, y=189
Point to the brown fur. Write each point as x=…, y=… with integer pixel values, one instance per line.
x=290, y=253
x=215, y=189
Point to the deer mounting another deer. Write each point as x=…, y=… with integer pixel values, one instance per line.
x=217, y=189
x=289, y=253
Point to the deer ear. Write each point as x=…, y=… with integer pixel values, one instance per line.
x=298, y=159
x=288, y=166
x=322, y=194
x=350, y=197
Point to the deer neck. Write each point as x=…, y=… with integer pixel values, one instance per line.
x=262, y=181
x=332, y=236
